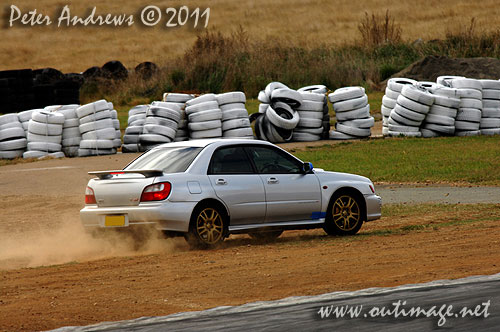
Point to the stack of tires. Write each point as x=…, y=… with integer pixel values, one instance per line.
x=468, y=119
x=311, y=113
x=277, y=116
x=180, y=99
x=321, y=90
x=204, y=117
x=25, y=117
x=490, y=116
x=412, y=106
x=45, y=135
x=440, y=121
x=235, y=121
x=135, y=123
x=392, y=92
x=445, y=80
x=12, y=137
x=352, y=112
x=160, y=126
x=97, y=129
x=71, y=136
x=117, y=142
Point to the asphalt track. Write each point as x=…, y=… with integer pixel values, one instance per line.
x=301, y=313
x=438, y=194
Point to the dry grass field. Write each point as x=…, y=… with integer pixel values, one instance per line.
x=308, y=22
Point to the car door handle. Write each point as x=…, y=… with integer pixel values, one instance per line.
x=221, y=182
x=272, y=180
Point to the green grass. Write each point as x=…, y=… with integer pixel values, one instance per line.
x=252, y=106
x=474, y=160
x=375, y=100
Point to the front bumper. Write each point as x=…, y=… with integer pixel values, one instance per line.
x=373, y=207
x=170, y=216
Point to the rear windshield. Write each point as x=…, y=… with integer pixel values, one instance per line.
x=168, y=160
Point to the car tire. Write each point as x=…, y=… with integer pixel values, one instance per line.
x=287, y=96
x=466, y=83
x=94, y=107
x=208, y=105
x=207, y=228
x=389, y=102
x=235, y=123
x=397, y=84
x=177, y=97
x=237, y=113
x=210, y=133
x=207, y=115
x=351, y=104
x=359, y=113
x=239, y=133
x=276, y=119
x=232, y=106
x=164, y=112
x=206, y=125
x=347, y=93
x=312, y=96
x=231, y=98
x=344, y=215
x=95, y=116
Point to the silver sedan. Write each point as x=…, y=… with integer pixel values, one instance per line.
x=206, y=190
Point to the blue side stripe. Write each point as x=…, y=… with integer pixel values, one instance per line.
x=318, y=215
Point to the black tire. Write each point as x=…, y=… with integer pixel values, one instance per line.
x=345, y=214
x=208, y=227
x=266, y=236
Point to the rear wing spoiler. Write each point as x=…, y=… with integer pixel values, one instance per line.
x=103, y=175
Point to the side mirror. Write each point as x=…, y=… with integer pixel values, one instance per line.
x=308, y=167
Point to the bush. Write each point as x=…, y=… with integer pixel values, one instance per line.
x=377, y=30
x=218, y=63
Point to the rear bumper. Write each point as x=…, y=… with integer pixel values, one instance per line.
x=373, y=207
x=171, y=216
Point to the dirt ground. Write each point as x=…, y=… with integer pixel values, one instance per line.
x=52, y=274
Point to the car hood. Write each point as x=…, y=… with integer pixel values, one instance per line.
x=342, y=176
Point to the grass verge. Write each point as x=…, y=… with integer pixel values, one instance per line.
x=473, y=160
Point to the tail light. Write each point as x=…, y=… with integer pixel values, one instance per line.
x=89, y=196
x=156, y=192
x=372, y=189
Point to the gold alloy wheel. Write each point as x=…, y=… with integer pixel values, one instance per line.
x=209, y=226
x=346, y=213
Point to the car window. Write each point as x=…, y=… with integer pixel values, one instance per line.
x=230, y=160
x=273, y=161
x=168, y=160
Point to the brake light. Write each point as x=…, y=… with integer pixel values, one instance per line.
x=156, y=192
x=89, y=196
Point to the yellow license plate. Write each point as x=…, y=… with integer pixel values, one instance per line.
x=114, y=221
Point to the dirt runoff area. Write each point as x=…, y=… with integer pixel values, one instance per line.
x=53, y=274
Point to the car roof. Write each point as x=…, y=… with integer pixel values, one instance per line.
x=202, y=143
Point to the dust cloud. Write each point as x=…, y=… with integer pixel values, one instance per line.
x=67, y=241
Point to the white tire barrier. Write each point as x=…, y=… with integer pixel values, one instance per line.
x=99, y=129
x=180, y=98
x=280, y=108
x=389, y=100
x=316, y=89
x=231, y=98
x=45, y=131
x=135, y=122
x=234, y=116
x=352, y=112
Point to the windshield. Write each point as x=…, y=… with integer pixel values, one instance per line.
x=168, y=160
